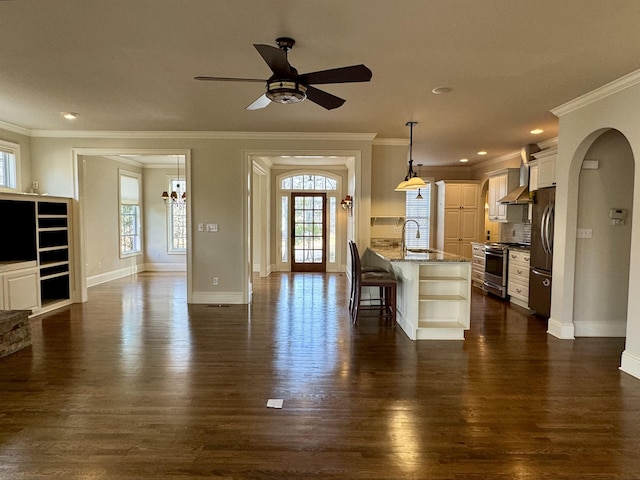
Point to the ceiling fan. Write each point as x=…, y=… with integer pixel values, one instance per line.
x=287, y=86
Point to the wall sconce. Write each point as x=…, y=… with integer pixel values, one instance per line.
x=347, y=204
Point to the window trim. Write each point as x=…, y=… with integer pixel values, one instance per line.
x=430, y=214
x=138, y=177
x=168, y=226
x=15, y=169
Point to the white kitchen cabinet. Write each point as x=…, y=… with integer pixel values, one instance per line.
x=518, y=277
x=457, y=218
x=502, y=182
x=477, y=263
x=545, y=169
x=534, y=170
x=21, y=289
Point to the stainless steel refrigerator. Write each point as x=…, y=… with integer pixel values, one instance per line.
x=541, y=258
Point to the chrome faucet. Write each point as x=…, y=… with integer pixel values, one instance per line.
x=404, y=227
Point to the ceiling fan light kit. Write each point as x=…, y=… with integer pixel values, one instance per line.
x=282, y=91
x=287, y=86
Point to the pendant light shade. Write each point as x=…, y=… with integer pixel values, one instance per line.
x=412, y=181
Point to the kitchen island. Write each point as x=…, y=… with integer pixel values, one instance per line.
x=434, y=291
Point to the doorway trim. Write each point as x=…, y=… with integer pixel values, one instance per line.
x=352, y=160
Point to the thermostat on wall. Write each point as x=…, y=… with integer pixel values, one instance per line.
x=617, y=215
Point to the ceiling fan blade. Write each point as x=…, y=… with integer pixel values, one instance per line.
x=261, y=102
x=228, y=79
x=275, y=58
x=324, y=99
x=354, y=73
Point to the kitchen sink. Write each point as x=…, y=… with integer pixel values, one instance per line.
x=419, y=250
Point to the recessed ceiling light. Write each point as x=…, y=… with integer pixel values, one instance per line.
x=464, y=160
x=441, y=90
x=70, y=115
x=482, y=152
x=537, y=131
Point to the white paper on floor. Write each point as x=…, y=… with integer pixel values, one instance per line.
x=274, y=403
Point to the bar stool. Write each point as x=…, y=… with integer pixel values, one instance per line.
x=353, y=251
x=364, y=277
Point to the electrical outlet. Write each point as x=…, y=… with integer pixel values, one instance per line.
x=215, y=280
x=35, y=185
x=201, y=227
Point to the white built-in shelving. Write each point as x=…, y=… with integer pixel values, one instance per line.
x=444, y=295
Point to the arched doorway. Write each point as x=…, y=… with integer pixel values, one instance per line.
x=603, y=245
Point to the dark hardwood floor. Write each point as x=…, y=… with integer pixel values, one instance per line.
x=135, y=385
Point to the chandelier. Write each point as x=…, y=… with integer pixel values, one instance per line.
x=177, y=196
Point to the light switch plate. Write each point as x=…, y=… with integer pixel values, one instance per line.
x=585, y=233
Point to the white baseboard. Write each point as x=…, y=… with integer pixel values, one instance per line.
x=113, y=275
x=630, y=364
x=564, y=331
x=204, y=298
x=600, y=329
x=165, y=267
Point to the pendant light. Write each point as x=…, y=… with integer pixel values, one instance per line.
x=412, y=181
x=419, y=196
x=177, y=196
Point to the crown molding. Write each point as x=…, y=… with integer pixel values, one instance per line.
x=14, y=128
x=368, y=137
x=550, y=143
x=598, y=94
x=395, y=142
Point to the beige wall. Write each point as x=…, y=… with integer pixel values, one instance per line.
x=156, y=219
x=100, y=177
x=218, y=178
x=580, y=126
x=600, y=301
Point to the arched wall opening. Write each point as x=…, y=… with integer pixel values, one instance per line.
x=603, y=244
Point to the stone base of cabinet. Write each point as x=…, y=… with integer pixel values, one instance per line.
x=15, y=331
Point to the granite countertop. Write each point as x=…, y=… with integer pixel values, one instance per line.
x=396, y=255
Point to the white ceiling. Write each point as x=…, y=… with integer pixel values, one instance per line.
x=129, y=65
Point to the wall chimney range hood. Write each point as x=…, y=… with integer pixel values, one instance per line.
x=520, y=195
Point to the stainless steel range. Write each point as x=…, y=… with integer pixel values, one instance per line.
x=495, y=267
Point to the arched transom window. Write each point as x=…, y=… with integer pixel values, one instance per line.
x=308, y=182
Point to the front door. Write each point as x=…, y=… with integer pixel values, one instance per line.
x=308, y=232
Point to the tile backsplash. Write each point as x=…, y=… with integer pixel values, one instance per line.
x=515, y=232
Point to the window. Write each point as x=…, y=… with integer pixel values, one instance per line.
x=418, y=209
x=130, y=243
x=9, y=163
x=177, y=222
x=308, y=182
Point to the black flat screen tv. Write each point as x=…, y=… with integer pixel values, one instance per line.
x=18, y=237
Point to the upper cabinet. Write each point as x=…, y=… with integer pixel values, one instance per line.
x=542, y=170
x=502, y=182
